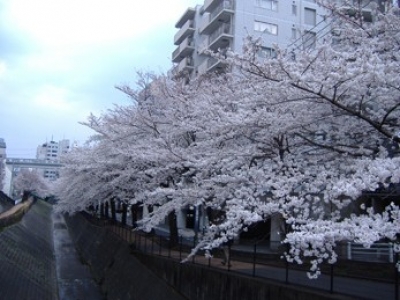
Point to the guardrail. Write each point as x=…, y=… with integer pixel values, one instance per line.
x=378, y=252
x=256, y=255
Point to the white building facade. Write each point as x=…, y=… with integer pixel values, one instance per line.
x=52, y=150
x=220, y=25
x=3, y=148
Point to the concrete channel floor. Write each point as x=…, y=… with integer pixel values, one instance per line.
x=74, y=279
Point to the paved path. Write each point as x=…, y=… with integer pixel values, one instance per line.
x=355, y=288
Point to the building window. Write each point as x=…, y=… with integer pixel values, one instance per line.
x=268, y=4
x=310, y=16
x=294, y=33
x=266, y=27
x=294, y=9
x=309, y=40
x=266, y=52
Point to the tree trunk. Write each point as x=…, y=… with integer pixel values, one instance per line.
x=134, y=212
x=102, y=215
x=106, y=212
x=113, y=213
x=173, y=229
x=124, y=213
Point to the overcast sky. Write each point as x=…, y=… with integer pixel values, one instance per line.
x=60, y=61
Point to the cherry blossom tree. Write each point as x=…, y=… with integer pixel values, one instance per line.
x=350, y=83
x=32, y=181
x=301, y=135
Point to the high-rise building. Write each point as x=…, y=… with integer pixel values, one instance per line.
x=219, y=25
x=3, y=148
x=52, y=150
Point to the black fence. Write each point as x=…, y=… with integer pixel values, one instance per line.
x=261, y=258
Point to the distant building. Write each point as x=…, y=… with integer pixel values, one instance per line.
x=221, y=25
x=52, y=150
x=3, y=148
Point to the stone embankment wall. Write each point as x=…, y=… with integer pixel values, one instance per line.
x=124, y=274
x=27, y=263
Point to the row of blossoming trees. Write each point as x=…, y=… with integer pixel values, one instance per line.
x=302, y=135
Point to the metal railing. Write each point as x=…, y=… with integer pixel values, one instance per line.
x=225, y=28
x=223, y=5
x=258, y=258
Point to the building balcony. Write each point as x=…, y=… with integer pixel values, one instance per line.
x=222, y=13
x=184, y=49
x=221, y=38
x=186, y=65
x=210, y=5
x=186, y=30
x=354, y=11
x=210, y=65
x=189, y=14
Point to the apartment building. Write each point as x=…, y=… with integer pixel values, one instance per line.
x=3, y=148
x=223, y=24
x=218, y=25
x=52, y=150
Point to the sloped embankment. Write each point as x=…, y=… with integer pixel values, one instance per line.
x=27, y=265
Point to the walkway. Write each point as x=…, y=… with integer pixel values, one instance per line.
x=356, y=288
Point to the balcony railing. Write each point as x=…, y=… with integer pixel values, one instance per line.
x=186, y=30
x=209, y=5
x=183, y=49
x=223, y=5
x=188, y=15
x=221, y=13
x=211, y=64
x=186, y=64
x=225, y=28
